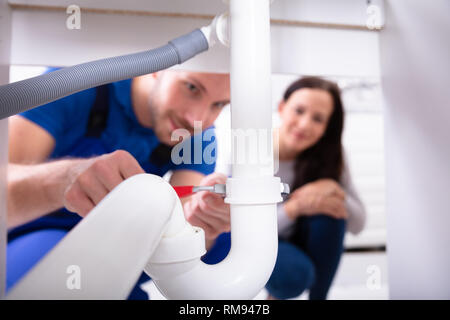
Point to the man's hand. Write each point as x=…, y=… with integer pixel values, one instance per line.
x=324, y=196
x=90, y=180
x=208, y=210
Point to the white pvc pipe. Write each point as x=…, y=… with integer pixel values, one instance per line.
x=142, y=219
x=109, y=248
x=141, y=222
x=251, y=110
x=253, y=191
x=242, y=274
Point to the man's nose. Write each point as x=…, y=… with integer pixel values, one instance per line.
x=196, y=114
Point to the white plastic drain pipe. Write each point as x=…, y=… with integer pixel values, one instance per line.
x=140, y=224
x=252, y=191
x=103, y=256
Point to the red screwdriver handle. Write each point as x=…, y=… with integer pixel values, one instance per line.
x=184, y=191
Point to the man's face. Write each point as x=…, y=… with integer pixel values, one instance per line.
x=177, y=99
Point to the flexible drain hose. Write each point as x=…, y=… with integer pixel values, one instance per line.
x=26, y=94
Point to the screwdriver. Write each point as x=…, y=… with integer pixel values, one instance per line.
x=184, y=191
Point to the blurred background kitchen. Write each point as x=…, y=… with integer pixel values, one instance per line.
x=389, y=58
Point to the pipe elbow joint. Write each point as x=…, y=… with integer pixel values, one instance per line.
x=218, y=30
x=176, y=254
x=179, y=273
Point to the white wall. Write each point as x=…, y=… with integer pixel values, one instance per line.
x=415, y=64
x=41, y=37
x=5, y=29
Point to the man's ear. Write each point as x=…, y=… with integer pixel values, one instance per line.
x=281, y=106
x=156, y=74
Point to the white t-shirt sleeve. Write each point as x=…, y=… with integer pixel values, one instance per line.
x=355, y=208
x=285, y=224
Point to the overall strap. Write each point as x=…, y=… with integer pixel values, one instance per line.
x=97, y=123
x=98, y=117
x=161, y=155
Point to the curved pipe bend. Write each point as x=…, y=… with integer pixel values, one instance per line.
x=140, y=220
x=103, y=256
x=241, y=275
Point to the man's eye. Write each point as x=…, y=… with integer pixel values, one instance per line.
x=219, y=105
x=191, y=87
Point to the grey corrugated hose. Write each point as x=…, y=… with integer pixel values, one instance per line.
x=26, y=94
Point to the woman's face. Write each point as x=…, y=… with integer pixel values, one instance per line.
x=304, y=119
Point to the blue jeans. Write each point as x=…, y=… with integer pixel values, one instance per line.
x=309, y=259
x=24, y=251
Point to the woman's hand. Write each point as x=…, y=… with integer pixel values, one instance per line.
x=208, y=210
x=324, y=196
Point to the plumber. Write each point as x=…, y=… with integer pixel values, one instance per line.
x=67, y=155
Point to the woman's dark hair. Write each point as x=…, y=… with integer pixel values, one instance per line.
x=325, y=158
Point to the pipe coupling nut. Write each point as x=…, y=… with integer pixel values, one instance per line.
x=254, y=190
